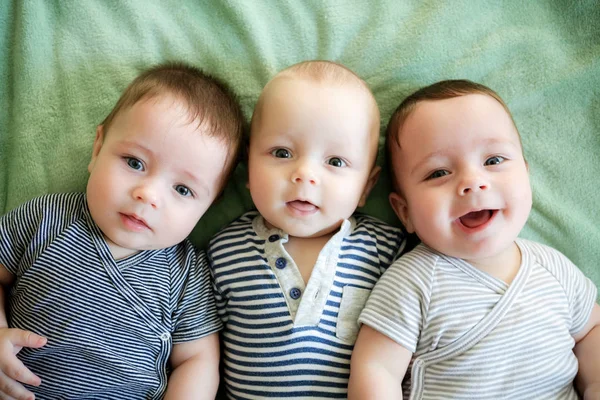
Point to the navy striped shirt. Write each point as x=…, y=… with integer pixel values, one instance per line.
x=110, y=324
x=282, y=338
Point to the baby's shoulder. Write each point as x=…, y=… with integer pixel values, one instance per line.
x=240, y=227
x=421, y=257
x=369, y=229
x=182, y=257
x=543, y=255
x=47, y=212
x=376, y=225
x=53, y=204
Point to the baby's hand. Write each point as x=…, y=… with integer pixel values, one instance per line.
x=12, y=370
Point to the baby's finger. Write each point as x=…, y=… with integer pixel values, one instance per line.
x=11, y=390
x=27, y=339
x=14, y=370
x=6, y=397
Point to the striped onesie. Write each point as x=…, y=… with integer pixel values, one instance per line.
x=475, y=337
x=110, y=323
x=282, y=338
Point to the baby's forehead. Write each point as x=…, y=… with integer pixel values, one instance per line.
x=335, y=90
x=290, y=83
x=463, y=110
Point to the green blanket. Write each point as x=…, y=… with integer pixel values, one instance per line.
x=64, y=64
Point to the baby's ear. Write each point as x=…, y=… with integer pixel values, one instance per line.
x=371, y=181
x=400, y=207
x=97, y=146
x=245, y=159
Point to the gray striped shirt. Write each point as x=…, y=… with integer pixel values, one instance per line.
x=110, y=324
x=474, y=336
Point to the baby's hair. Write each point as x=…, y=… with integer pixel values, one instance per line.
x=438, y=91
x=210, y=103
x=441, y=90
x=322, y=71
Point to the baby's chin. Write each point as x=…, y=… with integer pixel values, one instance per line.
x=136, y=245
x=474, y=252
x=308, y=230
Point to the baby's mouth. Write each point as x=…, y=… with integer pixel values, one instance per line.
x=475, y=219
x=302, y=206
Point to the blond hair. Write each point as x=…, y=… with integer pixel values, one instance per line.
x=321, y=71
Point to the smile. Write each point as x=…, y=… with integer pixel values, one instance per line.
x=301, y=208
x=476, y=221
x=133, y=223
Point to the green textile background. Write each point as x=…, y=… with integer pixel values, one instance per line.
x=64, y=64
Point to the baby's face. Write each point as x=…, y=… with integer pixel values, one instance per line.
x=311, y=155
x=153, y=175
x=463, y=176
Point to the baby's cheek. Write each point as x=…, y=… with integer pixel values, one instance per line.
x=522, y=198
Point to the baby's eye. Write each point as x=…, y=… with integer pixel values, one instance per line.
x=134, y=163
x=336, y=162
x=183, y=190
x=495, y=160
x=281, y=153
x=438, y=174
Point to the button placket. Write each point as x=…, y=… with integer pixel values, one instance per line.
x=282, y=266
x=314, y=296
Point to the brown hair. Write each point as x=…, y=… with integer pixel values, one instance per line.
x=210, y=102
x=441, y=90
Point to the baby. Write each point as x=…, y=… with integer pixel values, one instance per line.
x=292, y=278
x=473, y=311
x=108, y=276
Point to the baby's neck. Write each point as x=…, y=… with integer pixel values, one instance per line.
x=305, y=251
x=117, y=251
x=503, y=266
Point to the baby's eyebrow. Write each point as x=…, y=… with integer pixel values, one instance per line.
x=138, y=146
x=425, y=160
x=197, y=181
x=494, y=140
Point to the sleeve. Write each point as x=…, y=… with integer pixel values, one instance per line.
x=390, y=244
x=399, y=302
x=220, y=298
x=28, y=229
x=580, y=291
x=17, y=231
x=196, y=313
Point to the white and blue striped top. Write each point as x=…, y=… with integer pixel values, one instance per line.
x=110, y=324
x=282, y=338
x=475, y=337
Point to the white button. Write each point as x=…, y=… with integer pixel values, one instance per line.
x=165, y=336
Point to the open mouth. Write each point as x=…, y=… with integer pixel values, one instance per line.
x=477, y=219
x=134, y=223
x=304, y=207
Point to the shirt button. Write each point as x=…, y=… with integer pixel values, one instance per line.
x=273, y=238
x=295, y=293
x=165, y=336
x=281, y=263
